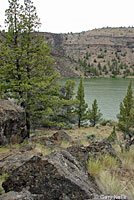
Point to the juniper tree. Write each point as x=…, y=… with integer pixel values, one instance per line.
x=81, y=108
x=26, y=72
x=125, y=115
x=112, y=137
x=64, y=112
x=94, y=114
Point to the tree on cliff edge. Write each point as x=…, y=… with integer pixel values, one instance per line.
x=26, y=72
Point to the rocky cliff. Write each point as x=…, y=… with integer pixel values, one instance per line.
x=100, y=52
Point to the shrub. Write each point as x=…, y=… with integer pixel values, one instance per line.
x=100, y=56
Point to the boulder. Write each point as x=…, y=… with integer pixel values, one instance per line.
x=56, y=176
x=14, y=160
x=24, y=195
x=25, y=148
x=60, y=136
x=12, y=123
x=81, y=153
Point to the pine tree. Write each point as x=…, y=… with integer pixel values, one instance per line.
x=125, y=116
x=94, y=115
x=26, y=72
x=69, y=89
x=82, y=106
x=64, y=115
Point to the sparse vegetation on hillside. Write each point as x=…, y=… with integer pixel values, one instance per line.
x=101, y=148
x=97, y=46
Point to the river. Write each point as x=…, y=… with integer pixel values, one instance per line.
x=108, y=92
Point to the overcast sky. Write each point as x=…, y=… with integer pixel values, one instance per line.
x=63, y=16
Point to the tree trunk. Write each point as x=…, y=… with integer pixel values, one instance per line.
x=28, y=124
x=79, y=124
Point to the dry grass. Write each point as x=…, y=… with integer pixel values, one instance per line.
x=130, y=191
x=41, y=149
x=109, y=183
x=84, y=142
x=110, y=177
x=65, y=144
x=82, y=133
x=109, y=162
x=113, y=178
x=4, y=149
x=105, y=171
x=127, y=159
x=95, y=167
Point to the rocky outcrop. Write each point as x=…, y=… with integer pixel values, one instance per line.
x=95, y=149
x=56, y=176
x=12, y=123
x=100, y=148
x=12, y=161
x=81, y=153
x=55, y=140
x=24, y=195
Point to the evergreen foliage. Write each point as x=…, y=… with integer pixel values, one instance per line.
x=26, y=72
x=69, y=89
x=70, y=103
x=62, y=111
x=81, y=108
x=94, y=114
x=126, y=116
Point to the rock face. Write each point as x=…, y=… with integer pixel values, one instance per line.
x=56, y=176
x=12, y=161
x=12, y=123
x=81, y=153
x=108, y=46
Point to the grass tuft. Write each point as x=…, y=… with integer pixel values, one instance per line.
x=109, y=184
x=94, y=167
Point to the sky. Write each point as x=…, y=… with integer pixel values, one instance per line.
x=63, y=16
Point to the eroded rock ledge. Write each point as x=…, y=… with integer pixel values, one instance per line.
x=12, y=123
x=56, y=176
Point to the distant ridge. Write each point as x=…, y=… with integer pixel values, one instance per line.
x=106, y=52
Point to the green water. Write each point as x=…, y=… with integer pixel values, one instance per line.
x=108, y=92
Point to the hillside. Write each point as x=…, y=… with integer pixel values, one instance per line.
x=107, y=52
